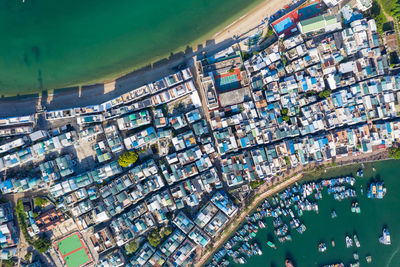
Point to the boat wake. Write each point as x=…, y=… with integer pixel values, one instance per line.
x=392, y=256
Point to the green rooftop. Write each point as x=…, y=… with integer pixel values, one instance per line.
x=313, y=24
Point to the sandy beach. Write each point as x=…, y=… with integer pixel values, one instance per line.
x=251, y=20
x=99, y=93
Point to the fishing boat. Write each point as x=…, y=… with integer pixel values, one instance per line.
x=368, y=259
x=301, y=228
x=333, y=243
x=333, y=214
x=261, y=224
x=349, y=242
x=270, y=244
x=356, y=241
x=355, y=207
x=376, y=190
x=385, y=238
x=288, y=263
x=322, y=247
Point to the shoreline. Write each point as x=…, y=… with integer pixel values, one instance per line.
x=287, y=181
x=96, y=93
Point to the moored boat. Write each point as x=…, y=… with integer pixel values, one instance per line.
x=271, y=244
x=356, y=241
x=288, y=263
x=368, y=259
x=376, y=190
x=349, y=242
x=333, y=214
x=322, y=247
x=385, y=238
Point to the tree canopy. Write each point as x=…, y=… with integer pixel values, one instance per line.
x=394, y=153
x=41, y=244
x=155, y=237
x=324, y=94
x=127, y=159
x=40, y=201
x=132, y=246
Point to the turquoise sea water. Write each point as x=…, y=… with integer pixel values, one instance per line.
x=303, y=250
x=54, y=44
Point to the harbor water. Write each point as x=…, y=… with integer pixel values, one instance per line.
x=321, y=227
x=47, y=44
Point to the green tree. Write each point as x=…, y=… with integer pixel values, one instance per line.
x=127, y=159
x=155, y=237
x=324, y=94
x=28, y=256
x=40, y=201
x=132, y=247
x=284, y=111
x=167, y=231
x=394, y=153
x=256, y=183
x=285, y=118
x=41, y=244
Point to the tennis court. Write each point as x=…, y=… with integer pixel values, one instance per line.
x=228, y=81
x=73, y=251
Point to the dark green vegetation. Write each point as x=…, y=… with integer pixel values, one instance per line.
x=391, y=7
x=394, y=153
x=127, y=159
x=324, y=94
x=284, y=113
x=381, y=20
x=21, y=215
x=132, y=246
x=40, y=201
x=257, y=183
x=41, y=244
x=157, y=235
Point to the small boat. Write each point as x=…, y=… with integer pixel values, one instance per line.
x=362, y=190
x=261, y=224
x=333, y=214
x=288, y=263
x=385, y=238
x=333, y=243
x=355, y=256
x=321, y=247
x=270, y=244
x=376, y=190
x=355, y=207
x=368, y=259
x=356, y=241
x=349, y=242
x=360, y=173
